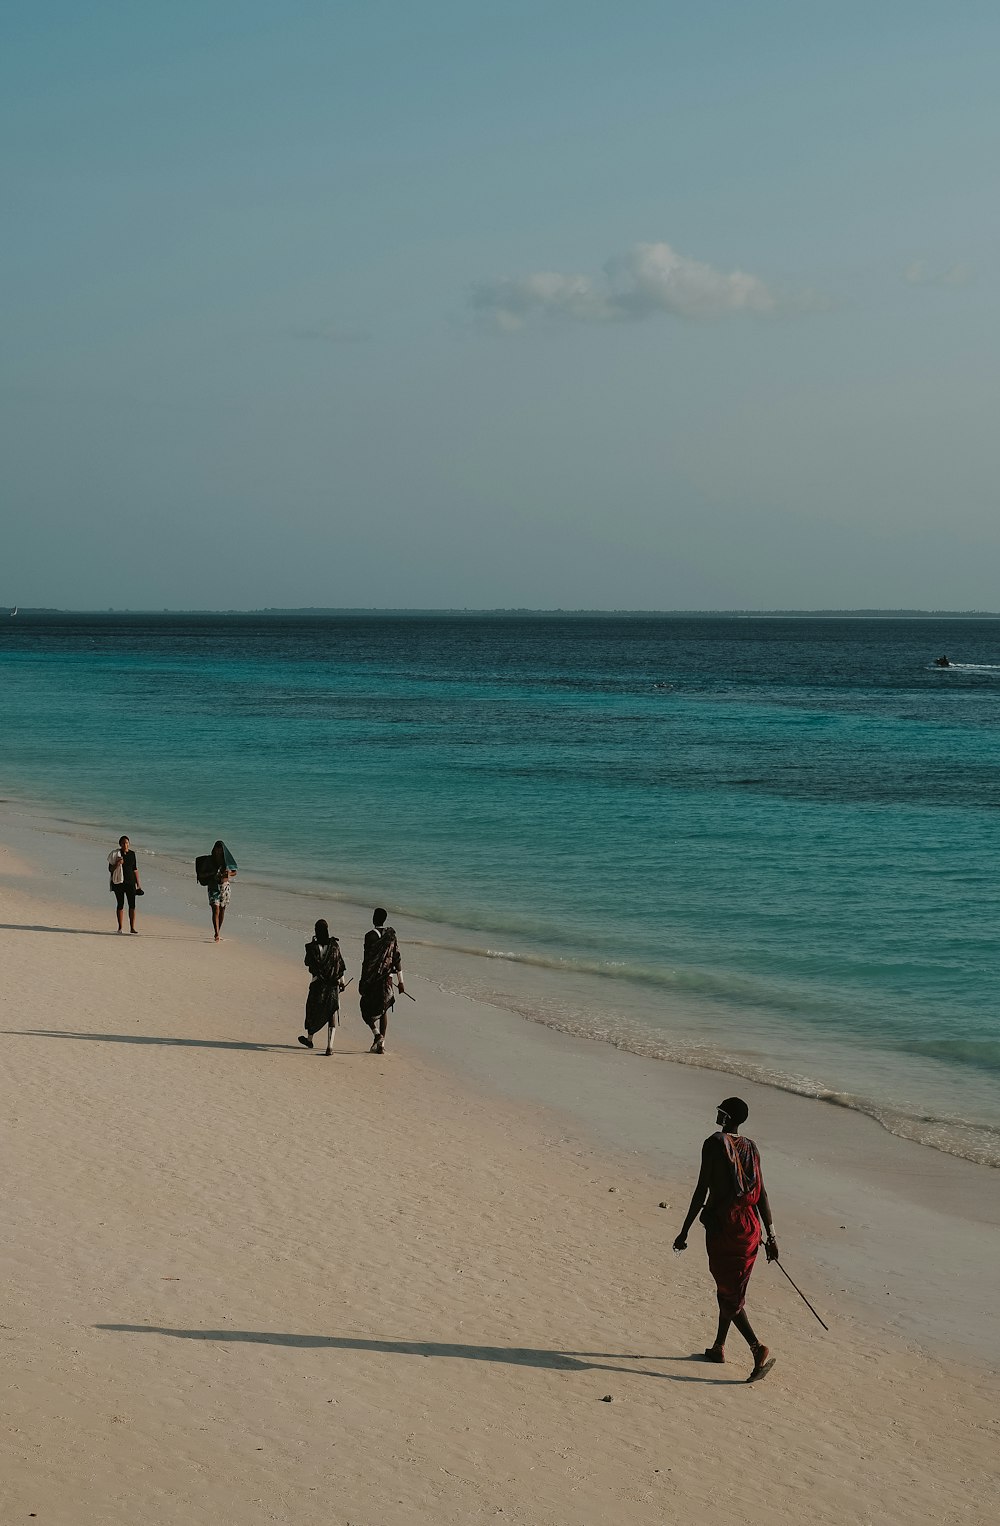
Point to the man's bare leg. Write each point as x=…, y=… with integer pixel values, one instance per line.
x=763, y=1361
x=715, y=1352
x=131, y=917
x=383, y=1028
x=329, y=1038
x=745, y=1328
x=121, y=917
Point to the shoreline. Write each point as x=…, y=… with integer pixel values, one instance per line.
x=883, y=1217
x=554, y=993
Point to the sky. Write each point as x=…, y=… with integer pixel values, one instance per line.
x=656, y=304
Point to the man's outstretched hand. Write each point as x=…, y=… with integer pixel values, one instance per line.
x=681, y=1243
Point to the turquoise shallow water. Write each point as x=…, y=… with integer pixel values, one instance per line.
x=768, y=845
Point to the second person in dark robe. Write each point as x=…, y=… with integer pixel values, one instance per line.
x=381, y=961
x=325, y=964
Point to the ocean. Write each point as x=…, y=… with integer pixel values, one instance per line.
x=762, y=845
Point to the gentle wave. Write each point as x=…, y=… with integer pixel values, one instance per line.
x=983, y=1054
x=696, y=982
x=978, y=1143
x=732, y=990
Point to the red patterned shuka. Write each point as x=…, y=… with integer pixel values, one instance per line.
x=732, y=1230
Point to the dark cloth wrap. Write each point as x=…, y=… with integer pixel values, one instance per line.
x=380, y=961
x=325, y=964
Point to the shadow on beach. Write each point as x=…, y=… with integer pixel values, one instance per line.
x=95, y=932
x=144, y=1038
x=38, y=927
x=342, y=1053
x=511, y=1356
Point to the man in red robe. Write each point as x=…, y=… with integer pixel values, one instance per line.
x=732, y=1204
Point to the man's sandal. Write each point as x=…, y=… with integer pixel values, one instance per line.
x=762, y=1363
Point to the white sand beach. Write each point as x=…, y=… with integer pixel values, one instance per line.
x=245, y=1283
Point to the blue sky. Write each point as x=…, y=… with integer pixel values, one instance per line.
x=592, y=305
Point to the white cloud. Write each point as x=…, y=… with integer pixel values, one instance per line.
x=919, y=273
x=655, y=278
x=649, y=279
x=512, y=300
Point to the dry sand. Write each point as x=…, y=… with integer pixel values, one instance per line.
x=244, y=1283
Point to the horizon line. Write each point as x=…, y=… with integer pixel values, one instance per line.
x=856, y=612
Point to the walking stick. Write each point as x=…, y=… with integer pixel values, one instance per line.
x=804, y=1298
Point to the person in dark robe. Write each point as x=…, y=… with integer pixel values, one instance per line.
x=732, y=1204
x=380, y=962
x=325, y=964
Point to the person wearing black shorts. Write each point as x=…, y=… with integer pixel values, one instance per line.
x=124, y=882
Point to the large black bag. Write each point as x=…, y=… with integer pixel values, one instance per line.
x=204, y=868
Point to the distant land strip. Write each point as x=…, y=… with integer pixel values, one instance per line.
x=28, y=611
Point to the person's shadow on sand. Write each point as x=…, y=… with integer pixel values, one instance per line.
x=513, y=1356
x=144, y=1038
x=40, y=927
x=93, y=932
